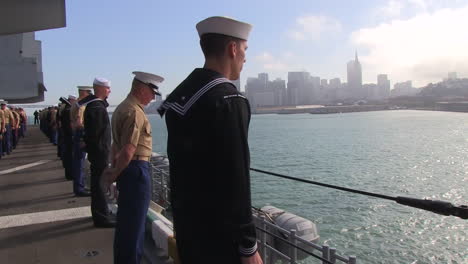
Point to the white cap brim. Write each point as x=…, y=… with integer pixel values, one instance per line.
x=149, y=78
x=85, y=88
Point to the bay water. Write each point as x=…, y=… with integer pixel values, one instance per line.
x=420, y=154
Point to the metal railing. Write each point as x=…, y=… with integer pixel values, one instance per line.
x=268, y=231
x=160, y=180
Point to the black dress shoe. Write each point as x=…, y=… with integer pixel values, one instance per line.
x=83, y=194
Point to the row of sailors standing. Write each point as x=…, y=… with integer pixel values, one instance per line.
x=64, y=125
x=81, y=126
x=13, y=122
x=47, y=124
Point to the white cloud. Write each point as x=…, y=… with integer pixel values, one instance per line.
x=264, y=57
x=391, y=9
x=422, y=4
x=270, y=63
x=288, y=55
x=423, y=48
x=314, y=27
x=396, y=8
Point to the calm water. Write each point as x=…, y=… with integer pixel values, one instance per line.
x=420, y=154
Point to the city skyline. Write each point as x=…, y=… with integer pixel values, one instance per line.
x=302, y=88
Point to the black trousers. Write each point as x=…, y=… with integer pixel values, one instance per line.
x=67, y=157
x=99, y=209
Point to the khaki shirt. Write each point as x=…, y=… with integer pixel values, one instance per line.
x=8, y=115
x=2, y=116
x=77, y=115
x=131, y=126
x=16, y=116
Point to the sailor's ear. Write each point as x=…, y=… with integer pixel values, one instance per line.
x=232, y=49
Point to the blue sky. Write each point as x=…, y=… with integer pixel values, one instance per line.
x=419, y=40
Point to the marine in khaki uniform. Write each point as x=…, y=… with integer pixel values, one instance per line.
x=8, y=123
x=2, y=129
x=131, y=152
x=16, y=126
x=76, y=120
x=76, y=111
x=25, y=120
x=22, y=124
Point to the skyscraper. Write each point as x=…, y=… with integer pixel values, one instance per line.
x=299, y=88
x=355, y=79
x=258, y=91
x=278, y=87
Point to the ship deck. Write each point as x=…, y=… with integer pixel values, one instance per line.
x=41, y=221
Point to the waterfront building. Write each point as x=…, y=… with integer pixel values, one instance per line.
x=262, y=92
x=279, y=90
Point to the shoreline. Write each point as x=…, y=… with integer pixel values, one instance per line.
x=347, y=109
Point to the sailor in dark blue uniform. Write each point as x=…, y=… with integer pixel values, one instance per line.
x=97, y=140
x=207, y=120
x=60, y=142
x=67, y=137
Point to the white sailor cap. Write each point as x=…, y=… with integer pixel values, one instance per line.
x=3, y=102
x=102, y=82
x=152, y=80
x=225, y=26
x=85, y=88
x=71, y=97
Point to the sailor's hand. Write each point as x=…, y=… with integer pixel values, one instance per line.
x=254, y=259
